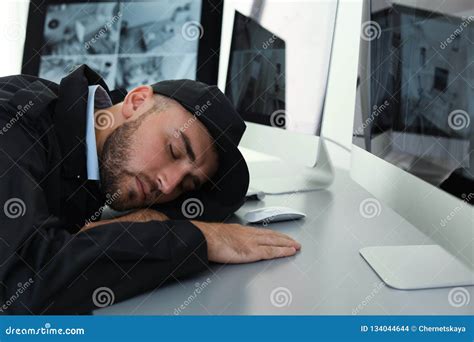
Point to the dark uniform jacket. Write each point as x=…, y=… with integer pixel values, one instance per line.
x=46, y=266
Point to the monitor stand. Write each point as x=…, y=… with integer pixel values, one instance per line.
x=277, y=177
x=417, y=267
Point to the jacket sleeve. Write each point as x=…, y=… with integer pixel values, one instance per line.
x=62, y=273
x=46, y=270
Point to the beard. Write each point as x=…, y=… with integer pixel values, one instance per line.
x=114, y=159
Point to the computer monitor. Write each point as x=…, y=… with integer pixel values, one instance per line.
x=129, y=43
x=256, y=73
x=274, y=67
x=413, y=136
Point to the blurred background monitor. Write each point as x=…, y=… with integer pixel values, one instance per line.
x=127, y=43
x=274, y=67
x=277, y=67
x=418, y=109
x=256, y=72
x=413, y=131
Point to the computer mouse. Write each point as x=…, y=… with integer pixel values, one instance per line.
x=272, y=214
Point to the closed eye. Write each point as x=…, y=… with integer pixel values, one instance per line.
x=173, y=155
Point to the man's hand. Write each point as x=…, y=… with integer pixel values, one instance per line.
x=234, y=243
x=142, y=215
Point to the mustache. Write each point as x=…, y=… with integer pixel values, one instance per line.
x=152, y=186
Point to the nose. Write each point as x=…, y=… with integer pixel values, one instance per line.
x=169, y=179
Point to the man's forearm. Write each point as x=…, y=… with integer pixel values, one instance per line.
x=226, y=242
x=141, y=215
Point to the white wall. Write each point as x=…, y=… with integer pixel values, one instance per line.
x=13, y=15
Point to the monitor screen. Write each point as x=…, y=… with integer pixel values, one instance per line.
x=278, y=67
x=127, y=43
x=256, y=72
x=415, y=91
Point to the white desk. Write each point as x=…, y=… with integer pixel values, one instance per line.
x=328, y=276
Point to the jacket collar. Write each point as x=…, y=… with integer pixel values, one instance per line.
x=36, y=95
x=70, y=119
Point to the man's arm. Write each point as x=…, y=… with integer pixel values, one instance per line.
x=66, y=270
x=126, y=257
x=226, y=243
x=140, y=215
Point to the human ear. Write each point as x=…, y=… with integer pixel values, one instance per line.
x=135, y=100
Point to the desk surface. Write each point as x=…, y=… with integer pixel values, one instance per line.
x=327, y=277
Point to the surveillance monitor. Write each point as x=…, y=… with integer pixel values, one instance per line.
x=129, y=43
x=413, y=135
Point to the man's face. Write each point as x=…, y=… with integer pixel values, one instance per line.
x=151, y=159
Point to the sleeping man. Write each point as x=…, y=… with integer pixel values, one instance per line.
x=164, y=155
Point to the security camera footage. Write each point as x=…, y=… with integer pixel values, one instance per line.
x=127, y=43
x=415, y=94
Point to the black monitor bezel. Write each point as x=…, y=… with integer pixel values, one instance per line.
x=208, y=50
